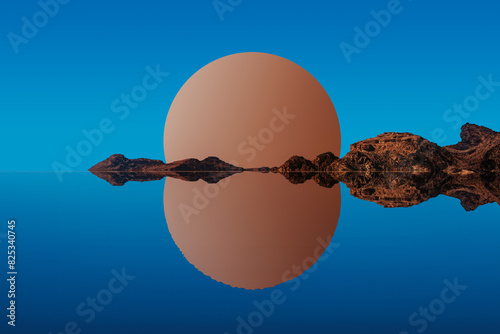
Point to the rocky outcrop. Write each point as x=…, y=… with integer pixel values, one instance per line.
x=117, y=169
x=392, y=169
x=324, y=160
x=119, y=163
x=300, y=164
x=402, y=169
x=394, y=151
x=479, y=149
x=297, y=164
x=298, y=169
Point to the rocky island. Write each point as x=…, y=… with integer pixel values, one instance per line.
x=117, y=169
x=393, y=169
x=402, y=169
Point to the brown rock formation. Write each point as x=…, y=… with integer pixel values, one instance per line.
x=297, y=164
x=117, y=170
x=324, y=160
x=118, y=162
x=479, y=149
x=393, y=151
x=402, y=169
x=392, y=169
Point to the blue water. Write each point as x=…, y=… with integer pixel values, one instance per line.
x=386, y=264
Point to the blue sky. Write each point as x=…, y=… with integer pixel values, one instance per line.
x=64, y=78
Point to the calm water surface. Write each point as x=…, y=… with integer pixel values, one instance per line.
x=218, y=265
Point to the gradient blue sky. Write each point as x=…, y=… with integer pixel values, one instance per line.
x=66, y=77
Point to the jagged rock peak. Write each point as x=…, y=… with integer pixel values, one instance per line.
x=324, y=160
x=118, y=162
